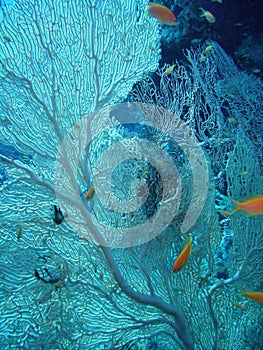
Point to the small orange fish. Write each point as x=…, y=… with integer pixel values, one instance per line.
x=208, y=48
x=255, y=296
x=252, y=206
x=208, y=15
x=184, y=256
x=90, y=193
x=162, y=13
x=169, y=69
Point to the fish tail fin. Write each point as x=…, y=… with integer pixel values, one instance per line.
x=188, y=238
x=234, y=211
x=229, y=213
x=235, y=202
x=203, y=12
x=185, y=236
x=237, y=208
x=146, y=12
x=224, y=212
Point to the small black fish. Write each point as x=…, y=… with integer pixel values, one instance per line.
x=6, y=37
x=58, y=216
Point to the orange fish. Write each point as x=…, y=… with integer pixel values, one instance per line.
x=169, y=69
x=208, y=15
x=184, y=256
x=162, y=13
x=252, y=206
x=208, y=48
x=90, y=193
x=255, y=296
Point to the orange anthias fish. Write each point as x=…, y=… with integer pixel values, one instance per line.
x=162, y=13
x=184, y=256
x=208, y=48
x=208, y=15
x=169, y=69
x=252, y=206
x=255, y=296
x=90, y=193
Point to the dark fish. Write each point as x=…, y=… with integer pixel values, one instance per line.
x=58, y=216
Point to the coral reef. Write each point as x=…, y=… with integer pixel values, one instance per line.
x=63, y=71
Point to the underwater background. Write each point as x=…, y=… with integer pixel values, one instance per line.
x=131, y=174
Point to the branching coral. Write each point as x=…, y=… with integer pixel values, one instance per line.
x=62, y=63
